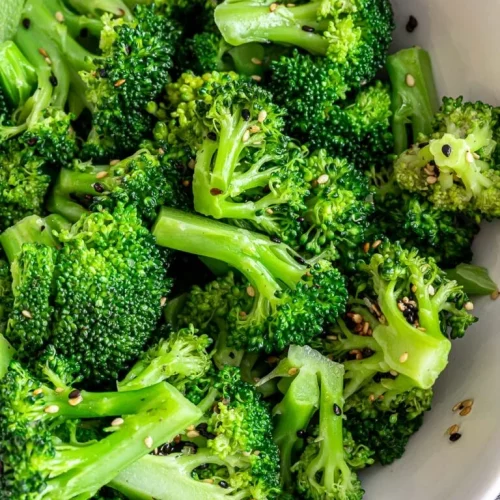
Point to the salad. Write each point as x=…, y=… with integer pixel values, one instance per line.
x=235, y=246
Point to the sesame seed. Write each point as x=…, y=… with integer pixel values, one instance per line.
x=246, y=454
x=293, y=371
x=371, y=397
x=59, y=390
x=458, y=406
x=469, y=306
x=121, y=12
x=251, y=291
x=322, y=179
x=245, y=114
x=366, y=247
x=476, y=156
x=26, y=23
x=256, y=453
x=212, y=136
x=366, y=327
x=117, y=421
x=51, y=409
x=43, y=52
x=406, y=300
x=26, y=314
x=431, y=179
x=273, y=6
x=301, y=433
x=376, y=244
x=412, y=24
x=465, y=411
x=308, y=29
x=262, y=116
x=394, y=373
x=215, y=191
x=455, y=437
x=256, y=78
x=186, y=182
x=148, y=442
x=290, y=5
x=403, y=358
x=410, y=80
x=453, y=429
x=38, y=391
x=446, y=150
x=120, y=82
x=401, y=307
x=114, y=162
x=467, y=403
x=74, y=394
x=246, y=136
x=59, y=16
x=494, y=295
x=421, y=328
x=48, y=61
x=414, y=288
x=269, y=211
x=357, y=318
x=254, y=129
x=223, y=484
x=190, y=428
x=191, y=164
x=75, y=401
x=331, y=337
x=337, y=410
x=469, y=157
x=207, y=481
x=192, y=434
x=243, y=314
x=101, y=175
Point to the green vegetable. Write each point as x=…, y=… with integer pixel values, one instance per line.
x=475, y=280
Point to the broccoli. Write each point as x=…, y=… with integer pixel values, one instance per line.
x=454, y=167
x=414, y=96
x=291, y=299
x=321, y=470
x=37, y=463
x=180, y=359
x=143, y=179
x=80, y=310
x=234, y=455
x=6, y=297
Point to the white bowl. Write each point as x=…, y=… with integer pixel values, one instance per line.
x=463, y=37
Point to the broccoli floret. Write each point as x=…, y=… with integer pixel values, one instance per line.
x=291, y=300
x=6, y=297
x=316, y=386
x=414, y=96
x=454, y=166
x=143, y=180
x=37, y=464
x=104, y=330
x=180, y=359
x=235, y=455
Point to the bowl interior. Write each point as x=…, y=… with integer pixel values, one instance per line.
x=463, y=38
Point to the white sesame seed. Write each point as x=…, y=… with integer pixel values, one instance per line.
x=75, y=401
x=207, y=481
x=431, y=179
x=191, y=164
x=256, y=452
x=371, y=397
x=254, y=129
x=59, y=390
x=192, y=434
x=331, y=337
x=293, y=371
x=246, y=136
x=269, y=211
x=256, y=61
x=410, y=80
x=114, y=162
x=357, y=318
x=394, y=373
x=38, y=391
x=467, y=403
x=262, y=116
x=148, y=442
x=403, y=358
x=476, y=156
x=251, y=291
x=376, y=244
x=453, y=429
x=465, y=411
x=421, y=328
x=494, y=295
x=273, y=7
x=101, y=175
x=163, y=301
x=256, y=78
x=431, y=290
x=59, y=16
x=322, y=179
x=246, y=453
x=414, y=288
x=48, y=60
x=469, y=306
x=26, y=314
x=469, y=157
x=117, y=421
x=51, y=409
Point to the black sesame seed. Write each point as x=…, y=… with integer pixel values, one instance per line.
x=98, y=187
x=212, y=136
x=223, y=484
x=210, y=435
x=423, y=145
x=75, y=393
x=42, y=229
x=84, y=33
x=26, y=23
x=337, y=410
x=232, y=355
x=446, y=149
x=412, y=24
x=433, y=163
x=245, y=114
x=455, y=437
x=166, y=449
x=275, y=239
x=103, y=73
x=301, y=434
x=32, y=141
x=202, y=427
x=300, y=260
x=53, y=80
x=308, y=29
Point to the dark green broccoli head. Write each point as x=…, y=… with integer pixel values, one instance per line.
x=5, y=293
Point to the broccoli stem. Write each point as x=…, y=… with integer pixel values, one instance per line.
x=6, y=354
x=75, y=23
x=99, y=7
x=32, y=229
x=95, y=465
x=414, y=96
x=17, y=75
x=105, y=404
x=170, y=478
x=262, y=261
x=59, y=203
x=242, y=23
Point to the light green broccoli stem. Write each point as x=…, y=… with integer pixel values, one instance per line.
x=95, y=465
x=6, y=354
x=17, y=75
x=170, y=478
x=97, y=8
x=32, y=229
x=244, y=22
x=420, y=354
x=414, y=95
x=261, y=261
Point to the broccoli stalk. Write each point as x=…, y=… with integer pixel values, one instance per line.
x=96, y=8
x=414, y=96
x=6, y=354
x=291, y=301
